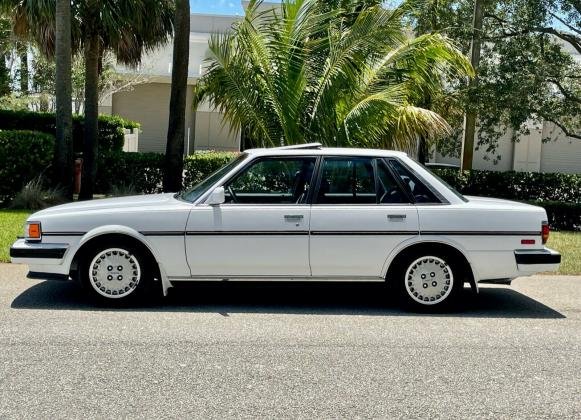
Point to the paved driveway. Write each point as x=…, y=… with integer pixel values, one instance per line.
x=278, y=351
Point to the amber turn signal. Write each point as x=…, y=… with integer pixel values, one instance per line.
x=33, y=231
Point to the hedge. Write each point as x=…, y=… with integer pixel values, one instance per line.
x=144, y=171
x=520, y=186
x=111, y=127
x=558, y=194
x=24, y=155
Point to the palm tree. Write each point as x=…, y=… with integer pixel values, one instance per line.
x=63, y=156
x=174, y=162
x=128, y=28
x=306, y=73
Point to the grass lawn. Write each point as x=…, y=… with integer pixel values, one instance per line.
x=567, y=243
x=11, y=226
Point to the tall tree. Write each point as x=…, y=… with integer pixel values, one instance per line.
x=306, y=73
x=174, y=162
x=527, y=71
x=63, y=156
x=127, y=28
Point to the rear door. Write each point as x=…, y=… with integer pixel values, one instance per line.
x=360, y=213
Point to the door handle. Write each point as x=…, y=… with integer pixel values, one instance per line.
x=293, y=217
x=395, y=217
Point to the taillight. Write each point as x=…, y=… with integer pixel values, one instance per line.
x=545, y=230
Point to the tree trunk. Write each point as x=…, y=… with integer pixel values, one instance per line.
x=91, y=140
x=470, y=117
x=24, y=69
x=174, y=153
x=63, y=155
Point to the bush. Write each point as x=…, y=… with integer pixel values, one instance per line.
x=144, y=171
x=111, y=128
x=562, y=216
x=201, y=164
x=23, y=156
x=37, y=196
x=520, y=186
x=558, y=194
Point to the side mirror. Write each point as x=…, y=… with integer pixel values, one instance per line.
x=217, y=197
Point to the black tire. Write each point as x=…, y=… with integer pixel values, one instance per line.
x=117, y=273
x=429, y=280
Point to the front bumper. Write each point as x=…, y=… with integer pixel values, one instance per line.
x=537, y=261
x=45, y=260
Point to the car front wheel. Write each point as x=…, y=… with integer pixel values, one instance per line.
x=116, y=274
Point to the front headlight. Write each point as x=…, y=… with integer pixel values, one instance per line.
x=33, y=232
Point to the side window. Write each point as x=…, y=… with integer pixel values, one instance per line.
x=416, y=188
x=388, y=190
x=347, y=181
x=272, y=181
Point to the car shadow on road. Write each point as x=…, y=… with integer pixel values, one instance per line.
x=285, y=298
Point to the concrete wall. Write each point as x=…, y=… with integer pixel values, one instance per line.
x=562, y=154
x=148, y=104
x=530, y=153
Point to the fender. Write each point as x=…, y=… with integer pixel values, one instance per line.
x=426, y=240
x=125, y=230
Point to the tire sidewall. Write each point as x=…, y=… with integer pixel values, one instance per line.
x=142, y=292
x=408, y=302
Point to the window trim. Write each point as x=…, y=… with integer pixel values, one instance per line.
x=422, y=180
x=320, y=168
x=258, y=159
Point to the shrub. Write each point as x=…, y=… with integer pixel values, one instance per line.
x=562, y=216
x=201, y=164
x=36, y=196
x=523, y=186
x=144, y=171
x=111, y=128
x=23, y=156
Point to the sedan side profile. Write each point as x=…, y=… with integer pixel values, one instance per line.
x=296, y=213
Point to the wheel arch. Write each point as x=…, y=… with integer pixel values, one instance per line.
x=431, y=244
x=117, y=232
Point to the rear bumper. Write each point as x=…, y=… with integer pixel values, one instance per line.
x=536, y=261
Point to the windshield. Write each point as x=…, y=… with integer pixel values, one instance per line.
x=198, y=190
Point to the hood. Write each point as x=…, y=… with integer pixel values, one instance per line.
x=140, y=201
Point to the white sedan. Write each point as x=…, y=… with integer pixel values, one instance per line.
x=299, y=213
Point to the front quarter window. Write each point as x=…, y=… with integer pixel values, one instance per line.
x=198, y=190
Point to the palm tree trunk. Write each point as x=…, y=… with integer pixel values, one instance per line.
x=91, y=144
x=63, y=155
x=24, y=69
x=174, y=154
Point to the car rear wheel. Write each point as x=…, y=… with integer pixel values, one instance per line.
x=116, y=274
x=429, y=280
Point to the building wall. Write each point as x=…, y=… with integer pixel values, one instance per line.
x=562, y=153
x=148, y=104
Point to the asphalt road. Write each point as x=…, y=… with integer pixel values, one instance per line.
x=332, y=351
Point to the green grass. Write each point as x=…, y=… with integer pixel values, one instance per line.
x=11, y=226
x=567, y=243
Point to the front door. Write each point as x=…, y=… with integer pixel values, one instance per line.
x=360, y=213
x=262, y=230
